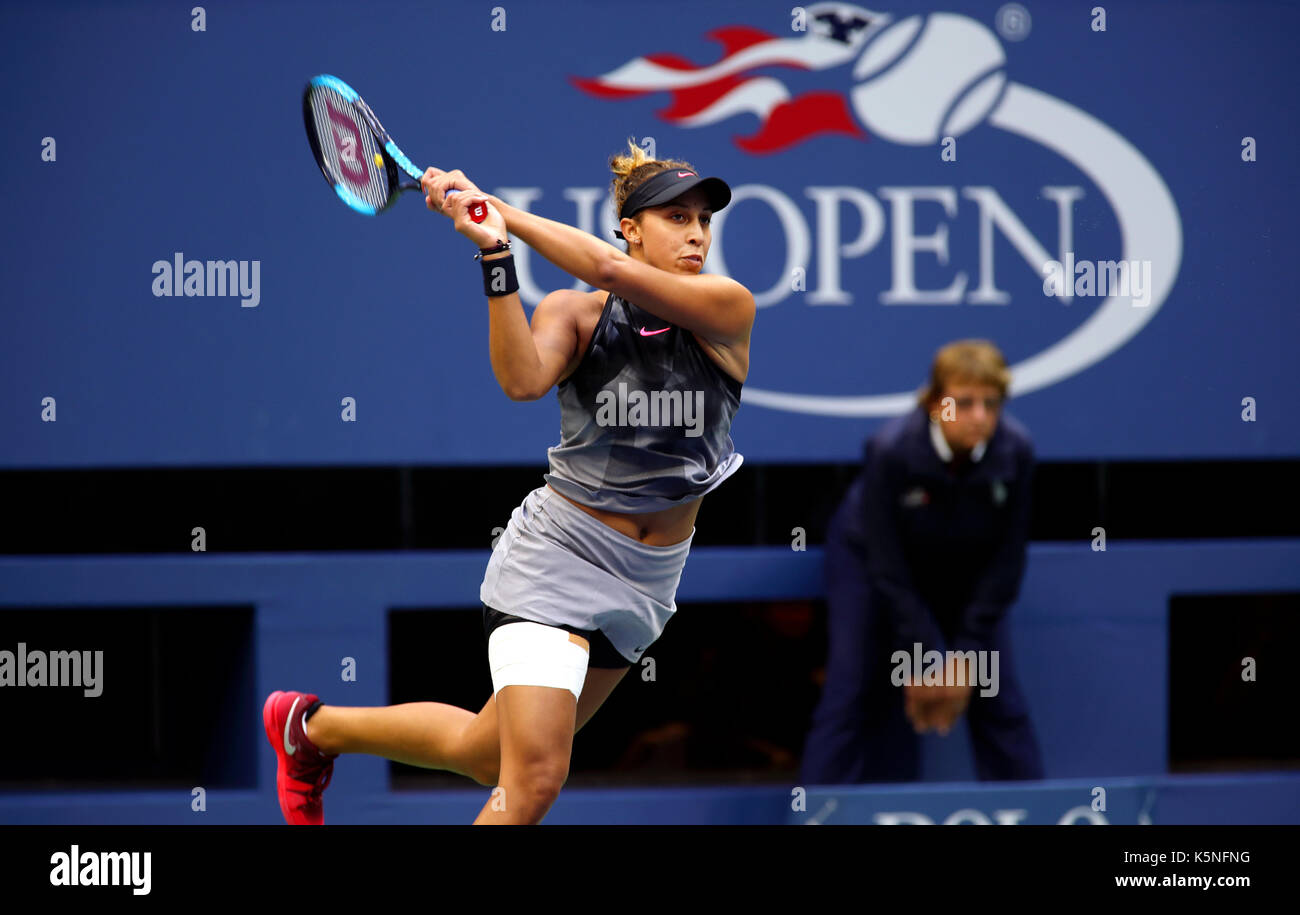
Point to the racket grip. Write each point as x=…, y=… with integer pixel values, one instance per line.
x=477, y=212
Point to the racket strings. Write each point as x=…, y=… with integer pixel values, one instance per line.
x=350, y=151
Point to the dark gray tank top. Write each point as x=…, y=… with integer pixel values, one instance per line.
x=645, y=419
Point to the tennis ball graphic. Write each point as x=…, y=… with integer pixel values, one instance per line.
x=926, y=77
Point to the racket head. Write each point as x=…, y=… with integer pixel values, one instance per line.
x=353, y=152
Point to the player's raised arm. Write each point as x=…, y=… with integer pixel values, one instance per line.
x=526, y=360
x=666, y=210
x=713, y=306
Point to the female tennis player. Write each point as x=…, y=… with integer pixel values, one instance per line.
x=649, y=369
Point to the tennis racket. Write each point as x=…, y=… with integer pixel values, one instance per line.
x=355, y=154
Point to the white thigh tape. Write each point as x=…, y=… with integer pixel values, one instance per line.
x=530, y=654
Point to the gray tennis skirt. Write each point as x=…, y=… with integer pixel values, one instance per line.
x=556, y=564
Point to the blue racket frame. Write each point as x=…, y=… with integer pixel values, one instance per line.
x=393, y=160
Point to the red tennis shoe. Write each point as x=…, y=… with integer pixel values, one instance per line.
x=302, y=771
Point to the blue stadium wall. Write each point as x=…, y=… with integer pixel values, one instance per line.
x=1091, y=630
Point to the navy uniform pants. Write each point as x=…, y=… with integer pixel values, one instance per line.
x=860, y=732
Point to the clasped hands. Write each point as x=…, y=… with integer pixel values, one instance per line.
x=938, y=706
x=436, y=184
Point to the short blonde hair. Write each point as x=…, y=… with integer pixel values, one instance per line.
x=965, y=362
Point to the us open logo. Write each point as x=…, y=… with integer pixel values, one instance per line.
x=912, y=82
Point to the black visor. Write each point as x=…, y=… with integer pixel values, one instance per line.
x=666, y=187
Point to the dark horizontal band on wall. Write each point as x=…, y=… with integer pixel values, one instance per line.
x=291, y=509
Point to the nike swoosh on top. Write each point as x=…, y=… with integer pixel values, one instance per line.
x=290, y=747
x=686, y=174
x=651, y=333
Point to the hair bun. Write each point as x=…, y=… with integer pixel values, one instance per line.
x=623, y=164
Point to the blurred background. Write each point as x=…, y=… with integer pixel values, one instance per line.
x=901, y=176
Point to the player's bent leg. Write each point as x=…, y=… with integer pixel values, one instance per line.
x=478, y=753
x=416, y=733
x=434, y=735
x=536, y=727
x=427, y=734
x=538, y=673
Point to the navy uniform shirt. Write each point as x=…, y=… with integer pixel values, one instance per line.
x=943, y=540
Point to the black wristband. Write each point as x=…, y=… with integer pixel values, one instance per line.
x=499, y=277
